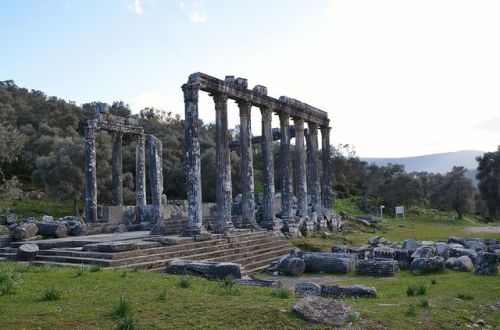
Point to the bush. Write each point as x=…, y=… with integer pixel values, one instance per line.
x=424, y=302
x=465, y=296
x=282, y=293
x=51, y=294
x=162, y=297
x=414, y=290
x=433, y=281
x=9, y=281
x=227, y=286
x=94, y=268
x=122, y=310
x=184, y=282
x=411, y=311
x=411, y=290
x=421, y=290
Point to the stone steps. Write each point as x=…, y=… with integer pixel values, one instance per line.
x=254, y=250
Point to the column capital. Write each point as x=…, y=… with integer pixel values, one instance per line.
x=220, y=100
x=298, y=122
x=325, y=129
x=284, y=117
x=246, y=104
x=266, y=113
x=313, y=128
x=190, y=92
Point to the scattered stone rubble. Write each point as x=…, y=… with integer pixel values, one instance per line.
x=324, y=310
x=209, y=270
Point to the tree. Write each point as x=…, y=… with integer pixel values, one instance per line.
x=488, y=174
x=11, y=146
x=458, y=191
x=61, y=172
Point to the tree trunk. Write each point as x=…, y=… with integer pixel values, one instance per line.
x=75, y=207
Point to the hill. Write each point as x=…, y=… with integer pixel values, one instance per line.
x=437, y=163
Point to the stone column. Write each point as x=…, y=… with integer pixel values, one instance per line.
x=193, y=166
x=140, y=172
x=326, y=183
x=300, y=169
x=268, y=170
x=247, y=180
x=312, y=151
x=223, y=166
x=116, y=170
x=155, y=150
x=90, y=176
x=286, y=164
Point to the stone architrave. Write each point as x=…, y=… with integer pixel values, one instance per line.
x=193, y=166
x=140, y=172
x=90, y=176
x=117, y=169
x=223, y=166
x=247, y=178
x=326, y=183
x=300, y=170
x=286, y=165
x=268, y=170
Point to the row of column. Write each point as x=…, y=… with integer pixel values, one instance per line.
x=156, y=173
x=223, y=166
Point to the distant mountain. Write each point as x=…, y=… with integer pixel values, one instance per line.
x=437, y=163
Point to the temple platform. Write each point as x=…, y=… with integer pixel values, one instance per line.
x=254, y=250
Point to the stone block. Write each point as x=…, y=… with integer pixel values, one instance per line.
x=307, y=289
x=357, y=291
x=331, y=263
x=462, y=264
x=209, y=270
x=323, y=310
x=377, y=267
x=427, y=265
x=486, y=264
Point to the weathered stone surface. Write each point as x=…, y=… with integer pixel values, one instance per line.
x=375, y=241
x=155, y=151
x=424, y=252
x=90, y=174
x=383, y=253
x=209, y=270
x=358, y=291
x=442, y=250
x=24, y=231
x=331, y=263
x=427, y=265
x=307, y=289
x=477, y=245
x=462, y=264
x=458, y=240
x=117, y=170
x=27, y=252
x=258, y=283
x=361, y=251
x=486, y=264
x=323, y=310
x=340, y=248
x=47, y=218
x=300, y=168
x=410, y=244
x=458, y=252
x=116, y=247
x=377, y=267
x=326, y=184
x=292, y=266
x=268, y=212
x=4, y=230
x=286, y=170
x=75, y=226
x=11, y=218
x=313, y=180
x=53, y=229
x=403, y=258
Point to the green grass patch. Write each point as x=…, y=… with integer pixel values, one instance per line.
x=184, y=282
x=51, y=294
x=411, y=311
x=465, y=296
x=281, y=293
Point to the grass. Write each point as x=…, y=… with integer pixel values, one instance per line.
x=9, y=281
x=123, y=308
x=26, y=208
x=227, y=287
x=424, y=302
x=411, y=311
x=94, y=268
x=51, y=294
x=465, y=296
x=281, y=293
x=183, y=282
x=162, y=297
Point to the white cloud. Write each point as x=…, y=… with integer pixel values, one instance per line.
x=136, y=7
x=194, y=10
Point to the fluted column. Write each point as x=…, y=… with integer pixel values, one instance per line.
x=155, y=175
x=300, y=169
x=90, y=176
x=140, y=171
x=286, y=164
x=247, y=179
x=223, y=166
x=268, y=169
x=193, y=166
x=326, y=183
x=312, y=150
x=117, y=170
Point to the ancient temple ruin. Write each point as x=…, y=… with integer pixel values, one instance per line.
x=117, y=212
x=306, y=174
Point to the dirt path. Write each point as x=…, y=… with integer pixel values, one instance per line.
x=495, y=229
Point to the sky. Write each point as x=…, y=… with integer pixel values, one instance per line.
x=397, y=77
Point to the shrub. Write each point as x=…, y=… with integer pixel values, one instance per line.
x=465, y=296
x=227, y=287
x=9, y=281
x=282, y=293
x=184, y=282
x=228, y=281
x=351, y=318
x=51, y=294
x=122, y=310
x=424, y=302
x=414, y=290
x=162, y=297
x=411, y=290
x=94, y=268
x=421, y=290
x=433, y=281
x=411, y=311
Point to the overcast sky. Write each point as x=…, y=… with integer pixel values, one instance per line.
x=398, y=78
